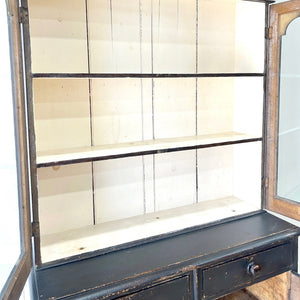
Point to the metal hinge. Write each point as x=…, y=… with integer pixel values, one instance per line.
x=23, y=15
x=35, y=229
x=265, y=182
x=269, y=33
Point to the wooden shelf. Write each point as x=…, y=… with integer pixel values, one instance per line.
x=87, y=154
x=109, y=234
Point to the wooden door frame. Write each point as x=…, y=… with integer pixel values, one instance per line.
x=280, y=17
x=18, y=277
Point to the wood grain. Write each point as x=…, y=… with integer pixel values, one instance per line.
x=274, y=203
x=295, y=286
x=275, y=288
x=239, y=295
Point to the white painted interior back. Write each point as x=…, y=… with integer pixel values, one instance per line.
x=65, y=198
x=58, y=36
x=174, y=36
x=62, y=113
x=119, y=189
x=117, y=110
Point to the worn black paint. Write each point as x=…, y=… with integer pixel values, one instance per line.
x=178, y=289
x=110, y=275
x=233, y=275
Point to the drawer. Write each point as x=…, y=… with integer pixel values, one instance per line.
x=224, y=278
x=177, y=289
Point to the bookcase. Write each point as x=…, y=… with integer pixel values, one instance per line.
x=147, y=117
x=151, y=139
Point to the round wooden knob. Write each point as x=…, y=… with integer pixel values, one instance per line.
x=253, y=268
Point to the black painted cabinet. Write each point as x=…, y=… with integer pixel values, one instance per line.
x=219, y=259
x=146, y=124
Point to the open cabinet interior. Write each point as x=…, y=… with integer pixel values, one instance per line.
x=147, y=117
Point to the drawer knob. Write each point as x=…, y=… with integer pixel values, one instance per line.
x=253, y=268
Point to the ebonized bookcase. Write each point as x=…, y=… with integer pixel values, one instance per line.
x=147, y=126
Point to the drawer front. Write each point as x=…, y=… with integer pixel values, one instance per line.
x=222, y=279
x=178, y=289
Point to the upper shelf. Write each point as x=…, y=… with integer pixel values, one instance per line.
x=147, y=36
x=143, y=75
x=86, y=154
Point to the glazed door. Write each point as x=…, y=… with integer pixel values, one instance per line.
x=283, y=111
x=15, y=252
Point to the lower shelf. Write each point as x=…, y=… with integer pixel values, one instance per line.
x=91, y=238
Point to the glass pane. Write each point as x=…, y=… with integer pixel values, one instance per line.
x=10, y=249
x=288, y=180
